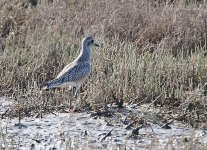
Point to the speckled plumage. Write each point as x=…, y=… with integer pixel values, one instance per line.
x=75, y=73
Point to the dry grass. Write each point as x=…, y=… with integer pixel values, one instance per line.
x=151, y=52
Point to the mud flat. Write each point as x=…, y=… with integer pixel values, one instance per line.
x=127, y=128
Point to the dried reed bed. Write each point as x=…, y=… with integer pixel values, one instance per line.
x=151, y=52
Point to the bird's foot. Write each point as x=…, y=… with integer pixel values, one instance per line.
x=77, y=107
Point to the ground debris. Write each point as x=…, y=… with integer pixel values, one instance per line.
x=102, y=113
x=20, y=125
x=119, y=103
x=135, y=132
x=63, y=130
x=108, y=123
x=108, y=134
x=38, y=115
x=166, y=125
x=125, y=121
x=2, y=115
x=130, y=125
x=36, y=140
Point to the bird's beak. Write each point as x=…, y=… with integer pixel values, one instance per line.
x=96, y=45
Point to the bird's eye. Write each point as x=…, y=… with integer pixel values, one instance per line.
x=92, y=41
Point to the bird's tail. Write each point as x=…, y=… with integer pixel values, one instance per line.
x=45, y=87
x=52, y=84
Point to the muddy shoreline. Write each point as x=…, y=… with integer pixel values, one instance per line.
x=86, y=131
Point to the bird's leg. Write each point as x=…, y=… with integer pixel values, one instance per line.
x=77, y=92
x=78, y=99
x=68, y=101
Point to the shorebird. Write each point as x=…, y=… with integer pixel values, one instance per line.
x=75, y=73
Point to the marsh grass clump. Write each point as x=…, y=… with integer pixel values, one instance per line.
x=150, y=53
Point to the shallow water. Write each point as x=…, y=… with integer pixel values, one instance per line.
x=81, y=131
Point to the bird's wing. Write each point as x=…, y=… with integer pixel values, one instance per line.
x=77, y=72
x=66, y=68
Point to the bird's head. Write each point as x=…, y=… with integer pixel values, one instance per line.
x=89, y=41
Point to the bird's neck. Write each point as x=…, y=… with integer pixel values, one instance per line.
x=85, y=53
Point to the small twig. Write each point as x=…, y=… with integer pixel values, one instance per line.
x=137, y=104
x=102, y=134
x=108, y=123
x=53, y=113
x=155, y=100
x=45, y=104
x=100, y=113
x=130, y=125
x=85, y=133
x=108, y=134
x=39, y=115
x=166, y=126
x=150, y=127
x=38, y=141
x=36, y=116
x=2, y=115
x=125, y=120
x=135, y=131
x=19, y=114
